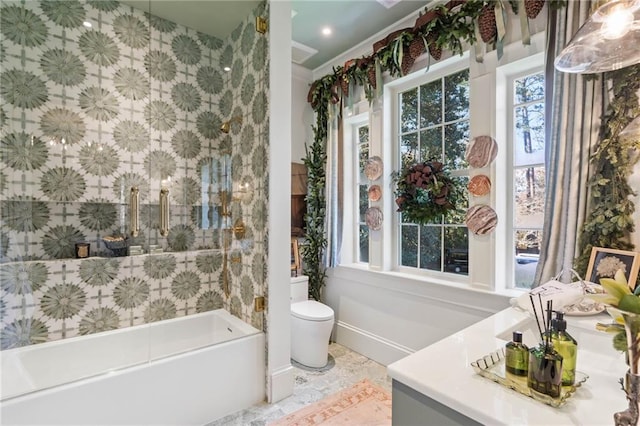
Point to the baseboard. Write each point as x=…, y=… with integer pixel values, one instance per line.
x=280, y=384
x=370, y=345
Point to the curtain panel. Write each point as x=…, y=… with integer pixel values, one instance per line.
x=573, y=109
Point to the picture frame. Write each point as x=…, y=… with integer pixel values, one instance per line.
x=628, y=261
x=295, y=256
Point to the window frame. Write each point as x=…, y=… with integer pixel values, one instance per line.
x=351, y=220
x=391, y=113
x=487, y=269
x=357, y=183
x=514, y=72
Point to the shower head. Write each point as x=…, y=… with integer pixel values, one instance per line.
x=226, y=126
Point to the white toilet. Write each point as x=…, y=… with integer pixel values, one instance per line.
x=311, y=324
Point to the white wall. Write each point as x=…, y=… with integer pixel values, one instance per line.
x=301, y=112
x=279, y=369
x=388, y=316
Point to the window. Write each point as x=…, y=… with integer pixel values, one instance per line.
x=528, y=142
x=362, y=155
x=434, y=125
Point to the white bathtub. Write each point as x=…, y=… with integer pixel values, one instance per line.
x=185, y=371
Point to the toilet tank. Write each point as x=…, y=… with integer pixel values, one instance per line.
x=299, y=289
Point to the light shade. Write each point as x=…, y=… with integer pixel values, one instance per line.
x=609, y=40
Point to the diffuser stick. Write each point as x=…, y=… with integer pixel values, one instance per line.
x=542, y=315
x=535, y=313
x=547, y=329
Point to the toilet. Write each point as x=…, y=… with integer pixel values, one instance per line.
x=311, y=325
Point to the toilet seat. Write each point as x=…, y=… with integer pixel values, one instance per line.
x=311, y=310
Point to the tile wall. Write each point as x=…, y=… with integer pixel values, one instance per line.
x=138, y=101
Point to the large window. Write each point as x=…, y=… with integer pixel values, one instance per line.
x=362, y=155
x=528, y=141
x=434, y=125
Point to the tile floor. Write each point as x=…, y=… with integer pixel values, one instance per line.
x=345, y=368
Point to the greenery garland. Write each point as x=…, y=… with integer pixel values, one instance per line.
x=609, y=222
x=316, y=240
x=425, y=191
x=445, y=27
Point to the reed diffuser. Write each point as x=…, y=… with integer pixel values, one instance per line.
x=545, y=364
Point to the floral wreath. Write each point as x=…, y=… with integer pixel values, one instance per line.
x=425, y=191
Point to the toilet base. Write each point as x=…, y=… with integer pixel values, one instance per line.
x=310, y=342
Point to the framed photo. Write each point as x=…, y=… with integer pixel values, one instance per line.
x=604, y=263
x=295, y=256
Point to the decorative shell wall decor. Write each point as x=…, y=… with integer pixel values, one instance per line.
x=375, y=192
x=481, y=219
x=481, y=151
x=479, y=185
x=373, y=218
x=373, y=168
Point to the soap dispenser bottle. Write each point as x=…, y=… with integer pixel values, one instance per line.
x=517, y=356
x=566, y=346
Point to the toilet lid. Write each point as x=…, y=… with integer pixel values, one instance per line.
x=311, y=310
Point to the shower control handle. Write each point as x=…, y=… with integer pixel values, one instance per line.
x=164, y=212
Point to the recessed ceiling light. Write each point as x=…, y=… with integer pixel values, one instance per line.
x=293, y=13
x=388, y=3
x=87, y=24
x=227, y=69
x=326, y=31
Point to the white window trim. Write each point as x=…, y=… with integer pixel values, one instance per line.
x=391, y=92
x=350, y=247
x=505, y=76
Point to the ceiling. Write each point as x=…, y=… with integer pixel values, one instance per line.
x=352, y=21
x=215, y=17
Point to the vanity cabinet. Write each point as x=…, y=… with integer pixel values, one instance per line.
x=437, y=385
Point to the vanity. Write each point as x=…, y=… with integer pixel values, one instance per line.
x=438, y=386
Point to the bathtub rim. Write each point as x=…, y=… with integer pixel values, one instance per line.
x=7, y=355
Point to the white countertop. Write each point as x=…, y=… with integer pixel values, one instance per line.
x=443, y=373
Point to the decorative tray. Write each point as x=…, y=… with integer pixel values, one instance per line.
x=492, y=367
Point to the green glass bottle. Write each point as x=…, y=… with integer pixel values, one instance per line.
x=517, y=356
x=545, y=370
x=566, y=346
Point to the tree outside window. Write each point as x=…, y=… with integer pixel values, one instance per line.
x=362, y=156
x=528, y=175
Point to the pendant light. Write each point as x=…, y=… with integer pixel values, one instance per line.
x=609, y=40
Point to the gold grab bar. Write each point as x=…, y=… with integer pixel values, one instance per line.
x=224, y=203
x=164, y=212
x=134, y=205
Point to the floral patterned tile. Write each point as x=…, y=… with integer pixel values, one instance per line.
x=105, y=87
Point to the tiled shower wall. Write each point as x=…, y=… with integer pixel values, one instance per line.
x=139, y=101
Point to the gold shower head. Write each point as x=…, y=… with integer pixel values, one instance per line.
x=226, y=126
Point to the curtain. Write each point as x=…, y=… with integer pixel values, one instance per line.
x=573, y=108
x=334, y=187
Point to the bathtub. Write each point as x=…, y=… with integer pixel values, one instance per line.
x=185, y=371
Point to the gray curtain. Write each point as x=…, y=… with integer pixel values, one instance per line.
x=573, y=110
x=333, y=190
